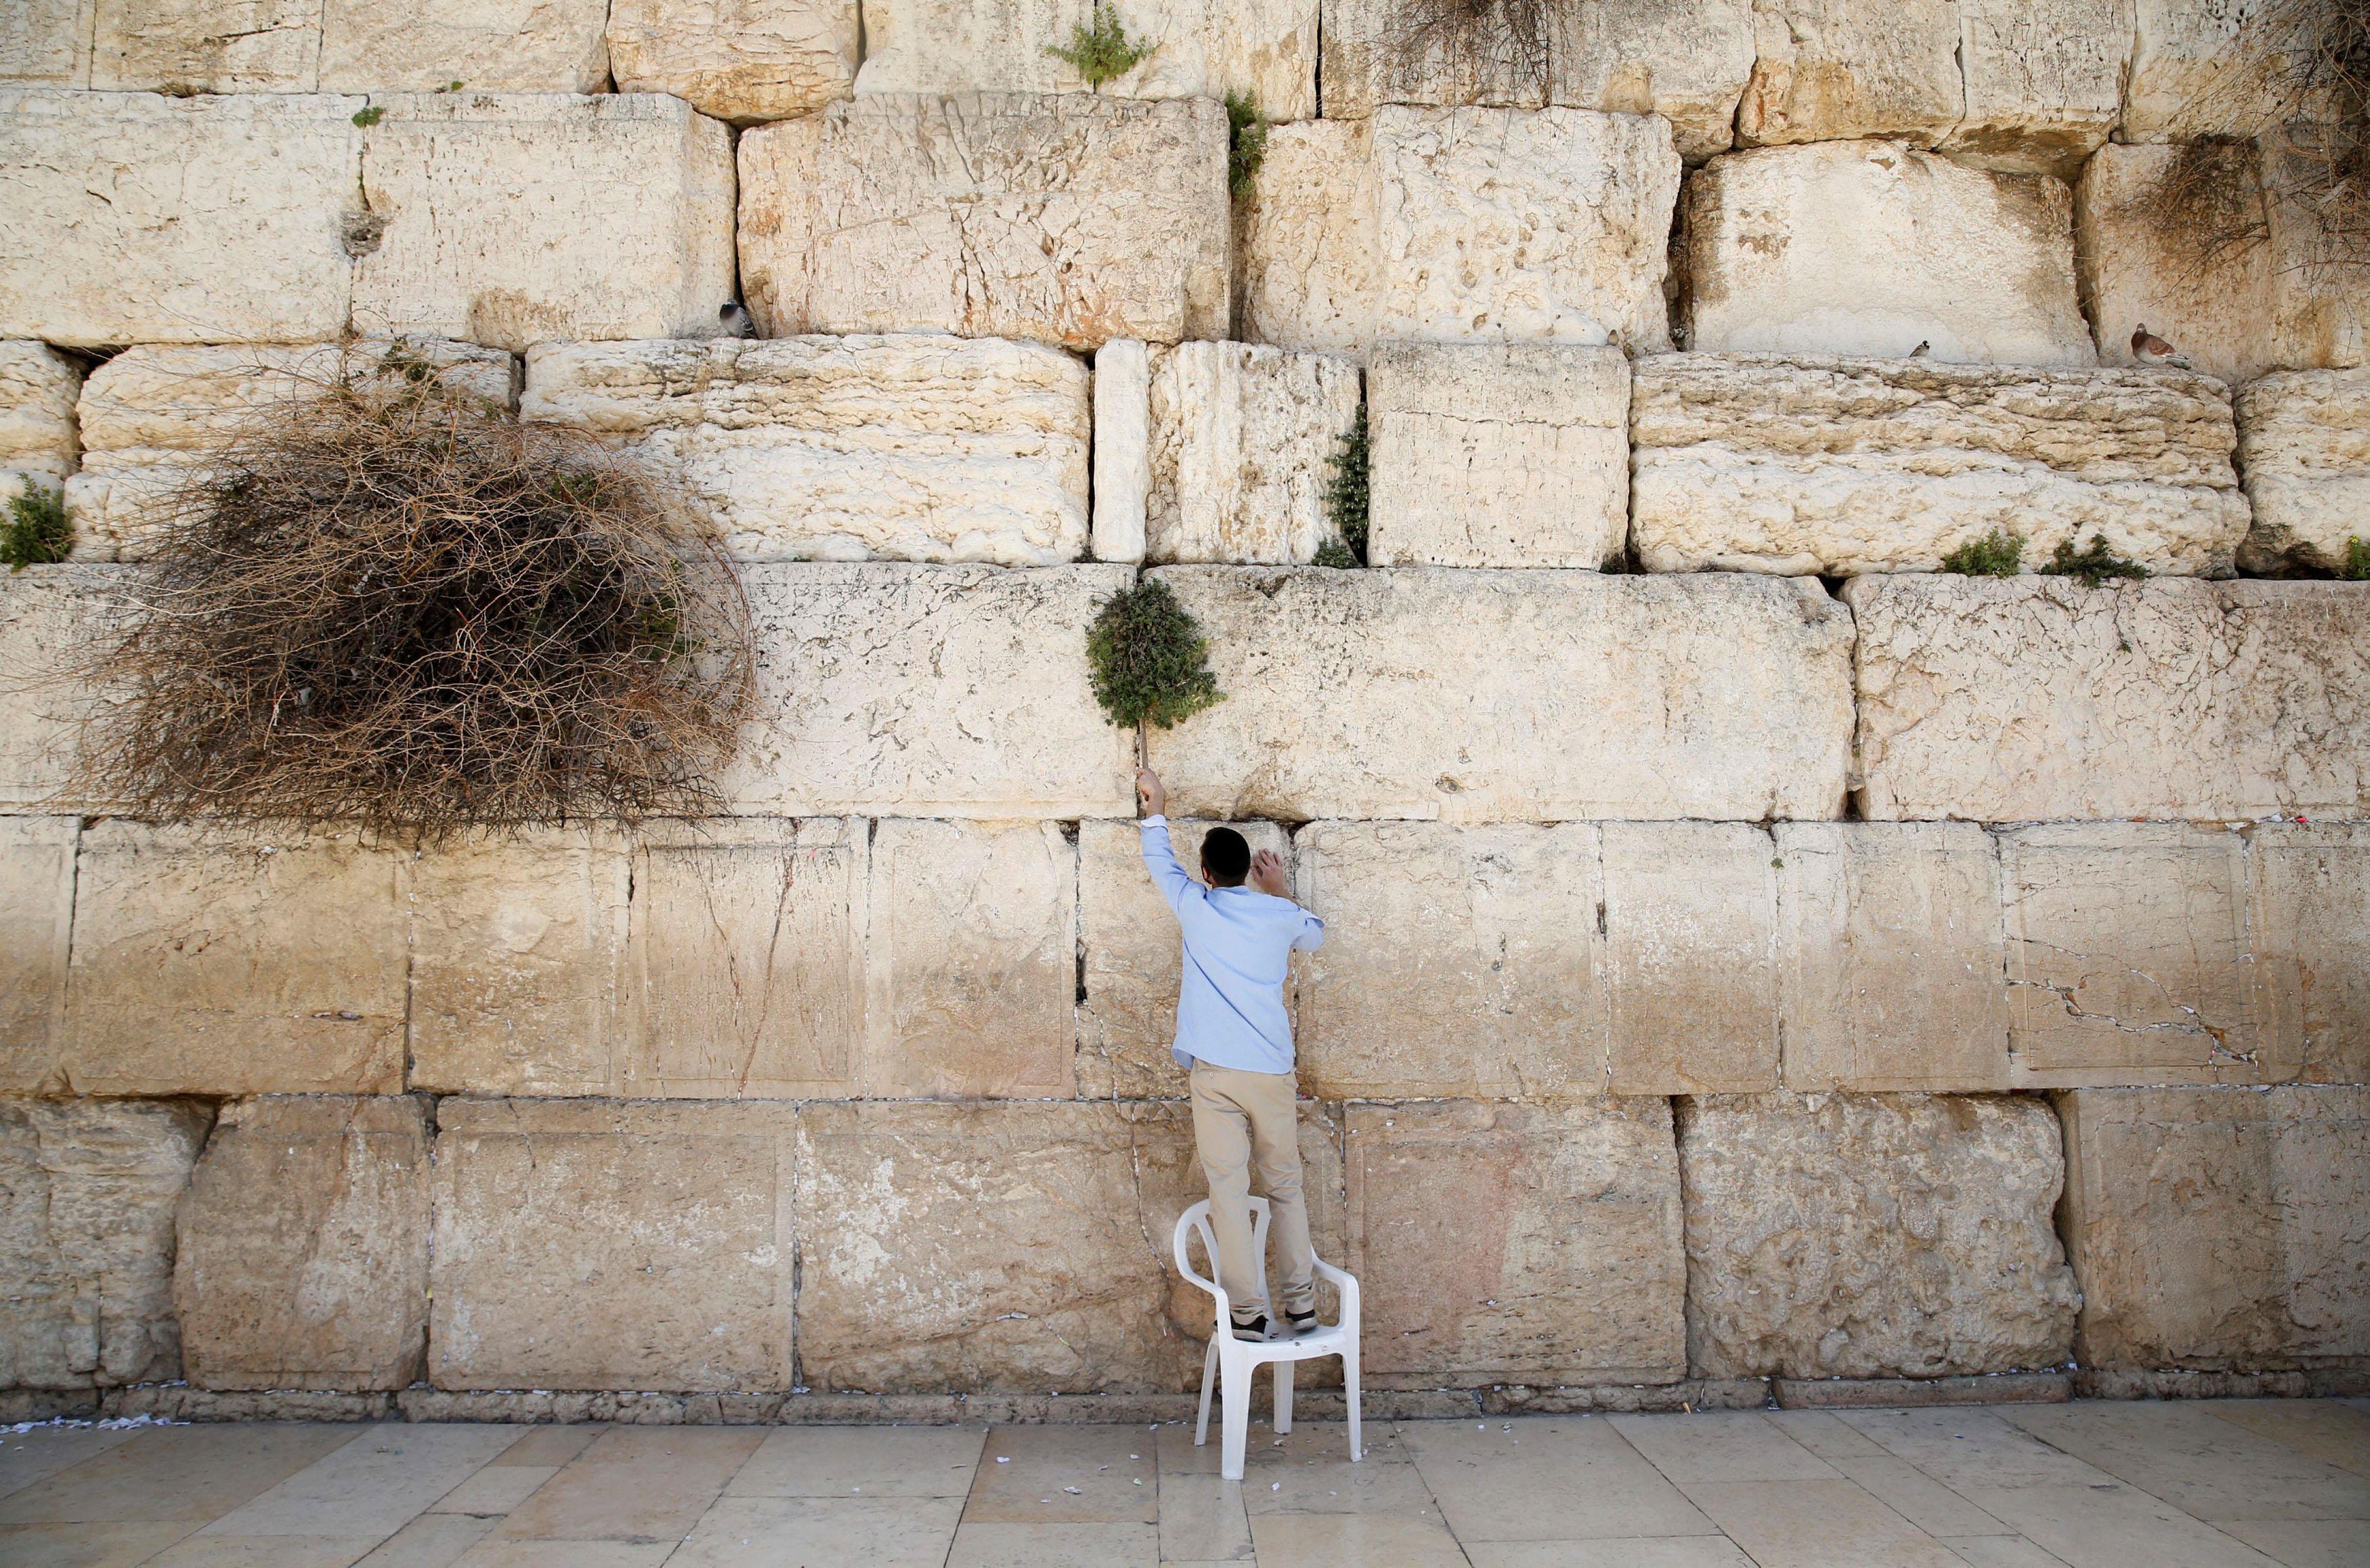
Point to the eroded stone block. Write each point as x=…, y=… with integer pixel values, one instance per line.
x=87, y=1196
x=2044, y=82
x=488, y=46
x=2181, y=51
x=37, y=881
x=37, y=443
x=1874, y=248
x=1859, y=1236
x=745, y=61
x=201, y=46
x=612, y=1244
x=2220, y=1229
x=1831, y=70
x=1241, y=440
x=1517, y=1244
x=41, y=43
x=1123, y=438
x=2310, y=925
x=1512, y=695
x=909, y=448
x=1891, y=957
x=1843, y=466
x=1310, y=271
x=302, y=1258
x=48, y=616
x=2034, y=699
x=2303, y=440
x=1690, y=922
x=1498, y=455
x=502, y=219
x=1065, y=219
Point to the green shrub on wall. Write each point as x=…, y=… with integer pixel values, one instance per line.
x=1999, y=554
x=1347, y=501
x=1148, y=660
x=1246, y=145
x=1102, y=51
x=2094, y=563
x=2357, y=560
x=36, y=533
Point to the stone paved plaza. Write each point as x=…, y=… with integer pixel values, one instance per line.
x=2233, y=1483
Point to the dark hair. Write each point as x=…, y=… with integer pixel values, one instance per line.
x=1225, y=857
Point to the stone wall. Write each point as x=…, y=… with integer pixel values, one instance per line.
x=1732, y=983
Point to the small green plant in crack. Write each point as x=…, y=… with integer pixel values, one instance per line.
x=36, y=533
x=1999, y=554
x=1246, y=145
x=1346, y=497
x=2357, y=560
x=2094, y=564
x=1333, y=552
x=366, y=118
x=1102, y=52
x=1148, y=661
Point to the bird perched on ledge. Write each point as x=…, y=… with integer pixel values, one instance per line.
x=2148, y=349
x=1924, y=348
x=736, y=320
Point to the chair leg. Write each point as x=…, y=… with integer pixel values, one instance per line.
x=1209, y=1376
x=1283, y=1396
x=1350, y=1387
x=1235, y=1416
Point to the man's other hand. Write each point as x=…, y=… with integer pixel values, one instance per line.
x=1267, y=875
x=1150, y=792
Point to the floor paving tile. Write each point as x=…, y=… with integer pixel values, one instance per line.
x=636, y=1485
x=1334, y=1541
x=2001, y=1551
x=28, y=1456
x=1060, y=1475
x=432, y=1540
x=204, y=1551
x=880, y=1532
x=1717, y=1446
x=2326, y=1430
x=2107, y=1524
x=567, y=1554
x=1961, y=1442
x=550, y=1447
x=1666, y=1551
x=368, y=1489
x=1202, y=1520
x=2305, y=1543
x=1817, y=1524
x=122, y=1544
x=1546, y=1477
x=495, y=1490
x=1918, y=1497
x=2208, y=1467
x=1335, y=1486
x=868, y=1462
x=176, y=1472
x=1320, y=1440
x=1825, y=1434
x=1125, y=1543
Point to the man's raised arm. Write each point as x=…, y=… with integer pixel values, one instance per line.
x=1160, y=855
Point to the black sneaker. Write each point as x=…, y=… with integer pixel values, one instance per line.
x=1302, y=1324
x=1255, y=1330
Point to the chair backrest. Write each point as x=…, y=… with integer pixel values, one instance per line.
x=1195, y=1222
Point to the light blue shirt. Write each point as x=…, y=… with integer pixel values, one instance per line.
x=1238, y=947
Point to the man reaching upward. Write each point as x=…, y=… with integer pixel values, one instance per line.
x=1234, y=1037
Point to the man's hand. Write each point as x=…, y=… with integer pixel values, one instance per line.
x=1150, y=790
x=1267, y=875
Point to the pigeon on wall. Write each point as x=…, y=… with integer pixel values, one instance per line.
x=2149, y=348
x=1924, y=348
x=738, y=322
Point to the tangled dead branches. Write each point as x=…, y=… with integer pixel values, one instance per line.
x=1509, y=43
x=389, y=605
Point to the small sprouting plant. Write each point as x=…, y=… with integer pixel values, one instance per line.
x=1346, y=500
x=1996, y=555
x=2357, y=560
x=1246, y=145
x=36, y=533
x=1147, y=658
x=1102, y=52
x=1333, y=552
x=450, y=88
x=2094, y=564
x=366, y=118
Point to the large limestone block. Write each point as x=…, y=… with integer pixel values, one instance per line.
x=1847, y=466
x=843, y=449
x=2311, y=887
x=201, y=46
x=87, y=1196
x=214, y=963
x=1310, y=273
x=41, y=43
x=301, y=1247
x=36, y=882
x=931, y=690
x=1242, y=437
x=989, y=1247
x=1134, y=959
x=2044, y=82
x=1517, y=1244
x=38, y=442
x=1858, y=1236
x=1200, y=49
x=1123, y=449
x=1874, y=248
x=2181, y=52
x=1684, y=60
x=2130, y=961
x=612, y=1244
x=745, y=61
x=2220, y=1229
x=48, y=616
x=2304, y=441
x=488, y=46
x=1891, y=957
x=515, y=218
x=251, y=191
x=1498, y=455
x=1831, y=70
x=1690, y=923
x=1512, y=695
x=2036, y=699
x=1069, y=220
x=154, y=417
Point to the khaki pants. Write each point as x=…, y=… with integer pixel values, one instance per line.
x=1244, y=1125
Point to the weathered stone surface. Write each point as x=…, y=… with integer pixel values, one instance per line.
x=38, y=444
x=1686, y=59
x=212, y=962
x=2130, y=961
x=302, y=1258
x=1497, y=695
x=1462, y=225
x=842, y=448
x=1891, y=957
x=2030, y=700
x=154, y=417
x=745, y=61
x=1071, y=219
x=252, y=188
x=1517, y=1244
x=1858, y=1236
x=1690, y=920
x=2311, y=887
x=989, y=1247
x=1498, y=455
x=87, y=1196
x=200, y=46
x=1873, y=248
x=612, y=1244
x=2182, y=50
x=930, y=691
x=1847, y=466
x=498, y=218
x=2220, y=1229
x=37, y=879
x=40, y=42
x=1134, y=959
x=342, y=46
x=1241, y=440
x=1123, y=438
x=2303, y=441
x=2044, y=82
x=47, y=614
x=1200, y=48
x=1831, y=70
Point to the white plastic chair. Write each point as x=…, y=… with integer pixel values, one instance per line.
x=1236, y=1361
